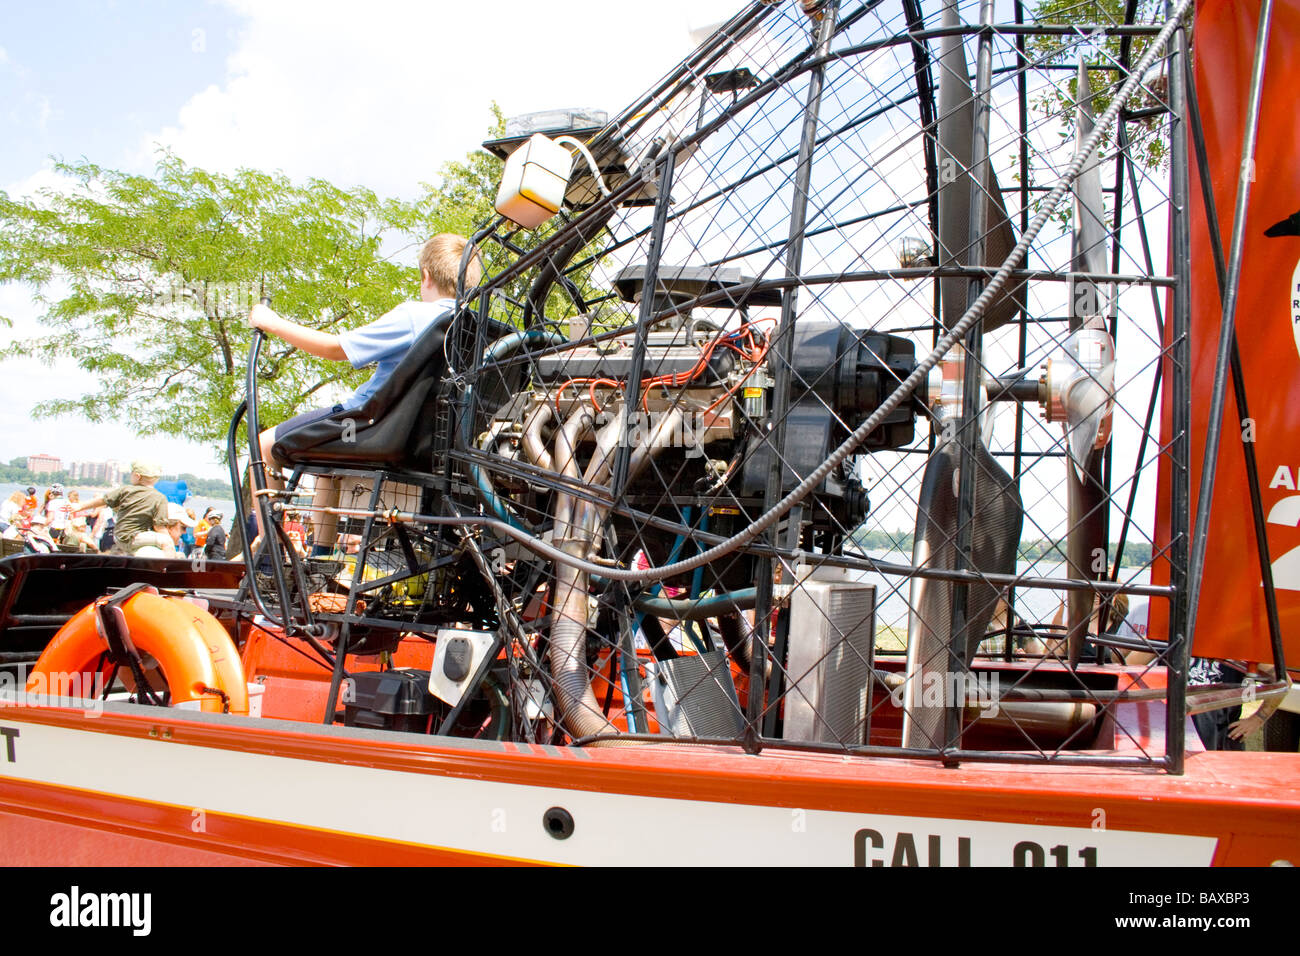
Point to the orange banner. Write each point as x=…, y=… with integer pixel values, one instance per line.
x=1231, y=620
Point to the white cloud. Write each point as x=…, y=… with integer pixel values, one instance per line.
x=384, y=94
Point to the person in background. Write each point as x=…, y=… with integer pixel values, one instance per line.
x=1243, y=727
x=78, y=532
x=1057, y=645
x=1226, y=728
x=1222, y=729
x=138, y=508
x=201, y=529
x=11, y=508
x=58, y=515
x=31, y=499
x=165, y=540
x=38, y=541
x=215, y=544
x=187, y=536
x=103, y=530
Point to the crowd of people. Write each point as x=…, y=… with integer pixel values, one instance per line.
x=136, y=518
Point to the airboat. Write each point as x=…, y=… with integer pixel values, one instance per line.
x=725, y=518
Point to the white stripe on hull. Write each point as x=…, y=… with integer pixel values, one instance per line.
x=504, y=819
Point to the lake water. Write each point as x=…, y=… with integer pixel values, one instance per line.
x=1036, y=605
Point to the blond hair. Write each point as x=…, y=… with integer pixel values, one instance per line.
x=440, y=259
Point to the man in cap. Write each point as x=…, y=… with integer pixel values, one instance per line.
x=137, y=508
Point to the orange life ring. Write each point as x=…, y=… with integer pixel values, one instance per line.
x=193, y=650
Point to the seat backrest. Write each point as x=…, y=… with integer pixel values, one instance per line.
x=384, y=429
x=395, y=426
x=426, y=359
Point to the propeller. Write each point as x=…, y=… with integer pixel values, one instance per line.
x=933, y=651
x=1080, y=385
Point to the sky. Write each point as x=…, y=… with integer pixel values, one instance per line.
x=379, y=94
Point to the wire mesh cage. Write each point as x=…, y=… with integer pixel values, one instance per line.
x=821, y=413
x=753, y=259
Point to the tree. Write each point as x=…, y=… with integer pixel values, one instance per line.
x=1148, y=144
x=146, y=281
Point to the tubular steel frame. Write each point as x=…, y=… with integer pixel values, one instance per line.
x=565, y=256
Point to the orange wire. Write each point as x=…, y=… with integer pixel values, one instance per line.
x=591, y=389
x=753, y=353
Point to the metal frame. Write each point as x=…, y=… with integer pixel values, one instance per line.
x=555, y=259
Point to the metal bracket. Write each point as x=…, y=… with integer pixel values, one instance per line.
x=110, y=624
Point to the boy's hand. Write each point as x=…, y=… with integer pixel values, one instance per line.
x=262, y=317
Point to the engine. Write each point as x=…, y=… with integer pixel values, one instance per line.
x=696, y=441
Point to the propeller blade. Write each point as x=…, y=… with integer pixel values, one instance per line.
x=1085, y=548
x=956, y=129
x=996, y=534
x=1088, y=393
x=1088, y=305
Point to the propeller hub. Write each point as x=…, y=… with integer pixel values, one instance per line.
x=1080, y=391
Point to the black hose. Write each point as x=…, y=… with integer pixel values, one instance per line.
x=660, y=646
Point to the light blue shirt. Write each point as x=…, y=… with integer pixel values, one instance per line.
x=387, y=340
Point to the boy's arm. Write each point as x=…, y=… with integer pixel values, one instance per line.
x=89, y=505
x=321, y=344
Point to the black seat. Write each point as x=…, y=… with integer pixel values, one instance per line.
x=384, y=430
x=395, y=427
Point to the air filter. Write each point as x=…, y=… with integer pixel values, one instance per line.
x=695, y=697
x=830, y=659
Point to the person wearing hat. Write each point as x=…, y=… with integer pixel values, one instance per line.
x=215, y=545
x=201, y=529
x=165, y=540
x=138, y=508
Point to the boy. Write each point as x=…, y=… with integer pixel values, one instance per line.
x=137, y=507
x=384, y=341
